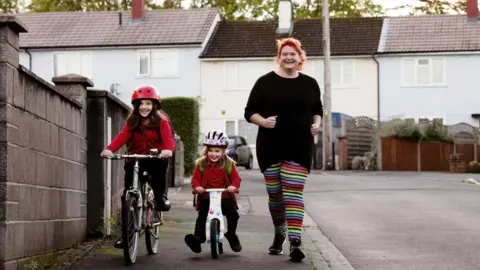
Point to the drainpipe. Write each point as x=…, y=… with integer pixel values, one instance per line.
x=29, y=59
x=378, y=87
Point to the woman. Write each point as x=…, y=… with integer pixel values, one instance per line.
x=286, y=106
x=146, y=128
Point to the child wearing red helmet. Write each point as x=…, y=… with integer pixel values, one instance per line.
x=146, y=127
x=215, y=174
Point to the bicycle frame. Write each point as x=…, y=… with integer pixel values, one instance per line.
x=215, y=212
x=140, y=192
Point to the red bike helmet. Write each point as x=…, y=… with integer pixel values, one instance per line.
x=145, y=92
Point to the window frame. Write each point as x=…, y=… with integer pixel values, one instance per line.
x=415, y=67
x=80, y=54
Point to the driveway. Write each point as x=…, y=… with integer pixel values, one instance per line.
x=388, y=220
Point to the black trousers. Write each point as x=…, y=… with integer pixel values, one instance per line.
x=229, y=211
x=156, y=168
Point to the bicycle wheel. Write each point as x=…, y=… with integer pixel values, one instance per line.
x=152, y=235
x=130, y=231
x=214, y=237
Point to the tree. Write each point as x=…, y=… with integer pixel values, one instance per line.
x=437, y=7
x=9, y=6
x=94, y=5
x=307, y=9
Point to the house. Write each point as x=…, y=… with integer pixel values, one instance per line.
x=429, y=68
x=120, y=50
x=240, y=52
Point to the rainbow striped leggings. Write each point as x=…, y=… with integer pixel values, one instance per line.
x=285, y=182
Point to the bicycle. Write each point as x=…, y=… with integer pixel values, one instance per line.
x=139, y=215
x=215, y=223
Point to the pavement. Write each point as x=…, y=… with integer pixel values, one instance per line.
x=354, y=220
x=255, y=231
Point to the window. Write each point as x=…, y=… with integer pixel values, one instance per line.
x=241, y=75
x=76, y=62
x=242, y=128
x=423, y=71
x=342, y=73
x=144, y=63
x=157, y=63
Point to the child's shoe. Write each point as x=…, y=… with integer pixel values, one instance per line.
x=193, y=243
x=234, y=242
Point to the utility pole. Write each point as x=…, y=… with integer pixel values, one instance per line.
x=327, y=100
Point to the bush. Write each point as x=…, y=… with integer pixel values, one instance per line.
x=401, y=129
x=436, y=131
x=184, y=113
x=409, y=130
x=368, y=162
x=473, y=167
x=358, y=163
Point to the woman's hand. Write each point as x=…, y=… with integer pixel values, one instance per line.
x=200, y=190
x=231, y=189
x=270, y=122
x=106, y=153
x=314, y=129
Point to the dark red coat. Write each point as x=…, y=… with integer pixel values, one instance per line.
x=215, y=177
x=141, y=143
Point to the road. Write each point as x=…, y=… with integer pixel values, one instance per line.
x=389, y=220
x=378, y=220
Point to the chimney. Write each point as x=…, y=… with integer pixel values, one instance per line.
x=285, y=14
x=472, y=10
x=138, y=10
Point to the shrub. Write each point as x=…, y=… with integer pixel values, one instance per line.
x=473, y=167
x=401, y=129
x=184, y=113
x=358, y=163
x=436, y=131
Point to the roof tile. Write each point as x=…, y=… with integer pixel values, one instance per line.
x=239, y=39
x=78, y=29
x=430, y=33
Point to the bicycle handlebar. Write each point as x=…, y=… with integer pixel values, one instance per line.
x=215, y=189
x=135, y=156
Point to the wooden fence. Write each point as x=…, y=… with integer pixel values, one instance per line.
x=404, y=155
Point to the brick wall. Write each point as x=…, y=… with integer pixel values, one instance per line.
x=102, y=105
x=42, y=157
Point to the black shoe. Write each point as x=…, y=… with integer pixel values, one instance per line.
x=234, y=242
x=277, y=247
x=119, y=243
x=163, y=205
x=296, y=253
x=193, y=243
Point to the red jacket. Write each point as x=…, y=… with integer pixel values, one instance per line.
x=141, y=143
x=215, y=177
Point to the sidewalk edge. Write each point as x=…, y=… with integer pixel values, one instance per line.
x=325, y=254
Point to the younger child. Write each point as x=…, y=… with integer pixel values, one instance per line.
x=215, y=162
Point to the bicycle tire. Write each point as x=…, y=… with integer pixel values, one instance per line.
x=214, y=237
x=129, y=215
x=153, y=248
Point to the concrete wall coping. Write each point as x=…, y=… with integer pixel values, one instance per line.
x=98, y=93
x=13, y=22
x=48, y=85
x=72, y=79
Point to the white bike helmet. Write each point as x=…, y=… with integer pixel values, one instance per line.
x=217, y=138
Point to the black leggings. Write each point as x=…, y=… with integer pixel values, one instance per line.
x=229, y=211
x=156, y=168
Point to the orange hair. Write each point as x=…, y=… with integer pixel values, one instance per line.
x=297, y=45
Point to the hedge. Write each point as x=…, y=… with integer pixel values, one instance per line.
x=185, y=116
